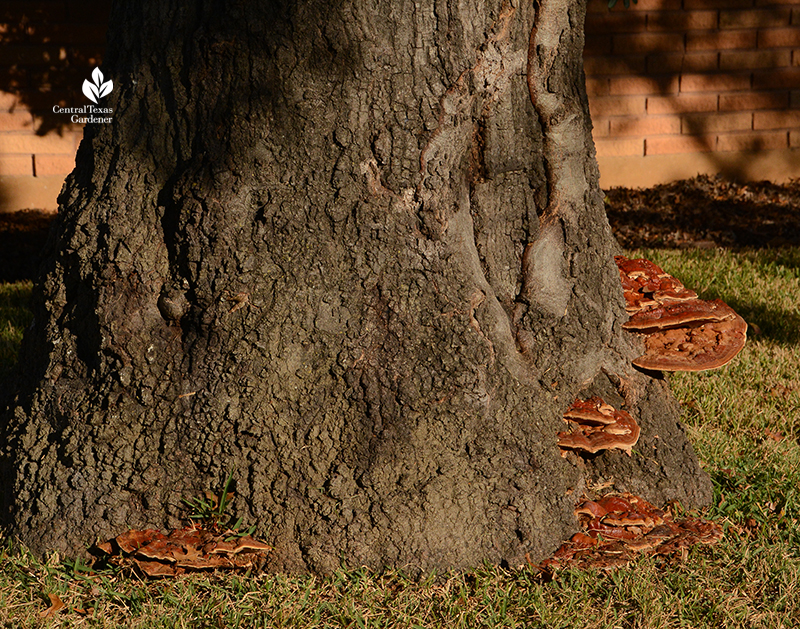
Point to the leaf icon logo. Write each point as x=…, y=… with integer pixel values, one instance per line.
x=98, y=89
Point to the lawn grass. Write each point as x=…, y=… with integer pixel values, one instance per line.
x=14, y=318
x=743, y=419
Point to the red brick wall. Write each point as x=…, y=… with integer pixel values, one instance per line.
x=47, y=49
x=688, y=76
x=666, y=79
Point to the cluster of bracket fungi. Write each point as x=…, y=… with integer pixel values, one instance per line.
x=618, y=528
x=596, y=426
x=183, y=550
x=681, y=332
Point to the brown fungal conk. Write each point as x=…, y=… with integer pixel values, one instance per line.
x=155, y=568
x=616, y=528
x=596, y=426
x=681, y=332
x=679, y=314
x=132, y=541
x=184, y=550
x=591, y=411
x=647, y=285
x=694, y=348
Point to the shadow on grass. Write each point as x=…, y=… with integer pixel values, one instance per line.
x=775, y=324
x=14, y=318
x=22, y=237
x=706, y=212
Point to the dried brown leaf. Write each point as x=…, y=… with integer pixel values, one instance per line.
x=774, y=435
x=56, y=605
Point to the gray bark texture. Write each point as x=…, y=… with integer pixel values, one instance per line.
x=353, y=250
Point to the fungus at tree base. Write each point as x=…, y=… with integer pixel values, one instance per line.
x=681, y=332
x=618, y=527
x=183, y=550
x=596, y=426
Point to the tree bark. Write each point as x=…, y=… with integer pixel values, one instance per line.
x=355, y=251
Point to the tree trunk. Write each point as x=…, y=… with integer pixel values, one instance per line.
x=353, y=250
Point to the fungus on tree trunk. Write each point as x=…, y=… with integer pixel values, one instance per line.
x=646, y=285
x=617, y=527
x=596, y=426
x=695, y=347
x=681, y=332
x=680, y=314
x=343, y=250
x=183, y=550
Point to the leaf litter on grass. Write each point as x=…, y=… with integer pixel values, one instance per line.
x=706, y=212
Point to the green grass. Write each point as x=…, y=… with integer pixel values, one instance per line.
x=743, y=419
x=14, y=318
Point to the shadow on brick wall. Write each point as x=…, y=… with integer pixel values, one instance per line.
x=48, y=49
x=698, y=76
x=664, y=76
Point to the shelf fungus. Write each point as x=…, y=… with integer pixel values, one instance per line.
x=681, y=332
x=595, y=426
x=183, y=550
x=618, y=527
x=646, y=285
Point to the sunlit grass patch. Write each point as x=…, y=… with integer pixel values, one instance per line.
x=744, y=419
x=761, y=285
x=738, y=583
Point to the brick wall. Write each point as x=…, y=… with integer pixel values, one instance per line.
x=47, y=49
x=712, y=83
x=676, y=87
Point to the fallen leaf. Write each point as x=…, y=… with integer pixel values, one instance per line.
x=775, y=436
x=106, y=547
x=156, y=568
x=779, y=390
x=56, y=605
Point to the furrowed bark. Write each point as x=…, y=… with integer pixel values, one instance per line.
x=333, y=247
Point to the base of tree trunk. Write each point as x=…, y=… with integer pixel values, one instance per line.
x=370, y=284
